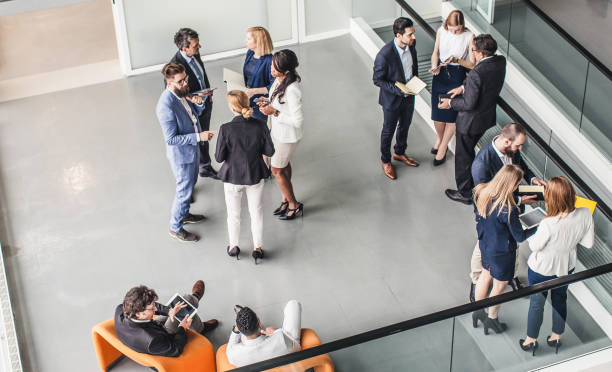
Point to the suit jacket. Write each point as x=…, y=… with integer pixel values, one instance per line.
x=498, y=235
x=194, y=85
x=240, y=146
x=387, y=70
x=487, y=163
x=150, y=337
x=180, y=136
x=476, y=106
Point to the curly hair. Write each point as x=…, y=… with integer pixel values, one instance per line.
x=182, y=37
x=247, y=322
x=137, y=299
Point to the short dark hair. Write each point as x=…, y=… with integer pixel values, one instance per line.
x=182, y=37
x=171, y=69
x=512, y=130
x=247, y=321
x=485, y=44
x=137, y=299
x=400, y=24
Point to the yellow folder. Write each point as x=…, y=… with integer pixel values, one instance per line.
x=586, y=203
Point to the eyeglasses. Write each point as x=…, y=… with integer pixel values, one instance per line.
x=151, y=309
x=183, y=80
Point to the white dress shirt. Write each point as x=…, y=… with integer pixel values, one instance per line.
x=406, y=58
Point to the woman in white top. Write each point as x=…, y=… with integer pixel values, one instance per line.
x=451, y=57
x=553, y=255
x=285, y=119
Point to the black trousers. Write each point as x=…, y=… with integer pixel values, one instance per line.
x=400, y=118
x=205, y=125
x=464, y=156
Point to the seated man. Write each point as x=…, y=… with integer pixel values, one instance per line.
x=163, y=336
x=249, y=343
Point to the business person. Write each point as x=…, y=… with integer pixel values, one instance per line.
x=554, y=248
x=396, y=61
x=178, y=116
x=451, y=53
x=256, y=70
x=188, y=55
x=241, y=144
x=475, y=102
x=499, y=230
x=285, y=118
x=503, y=150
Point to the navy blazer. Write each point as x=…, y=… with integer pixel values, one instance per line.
x=193, y=83
x=487, y=163
x=261, y=78
x=498, y=235
x=388, y=69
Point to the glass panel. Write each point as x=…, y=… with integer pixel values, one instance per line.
x=501, y=23
x=376, y=13
x=596, y=123
x=324, y=16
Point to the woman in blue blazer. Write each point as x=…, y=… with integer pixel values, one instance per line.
x=499, y=230
x=256, y=70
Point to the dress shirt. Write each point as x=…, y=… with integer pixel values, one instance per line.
x=199, y=73
x=507, y=160
x=406, y=59
x=242, y=351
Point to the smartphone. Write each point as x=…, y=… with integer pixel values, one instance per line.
x=443, y=95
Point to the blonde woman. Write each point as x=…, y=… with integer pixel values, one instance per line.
x=499, y=230
x=241, y=144
x=451, y=58
x=257, y=76
x=554, y=248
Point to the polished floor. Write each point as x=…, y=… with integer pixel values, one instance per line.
x=86, y=194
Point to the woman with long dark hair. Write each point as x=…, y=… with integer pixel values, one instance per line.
x=285, y=119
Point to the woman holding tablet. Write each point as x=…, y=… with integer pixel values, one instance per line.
x=499, y=230
x=554, y=248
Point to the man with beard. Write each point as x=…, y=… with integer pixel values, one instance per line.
x=178, y=115
x=503, y=150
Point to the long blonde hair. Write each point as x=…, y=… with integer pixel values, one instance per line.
x=262, y=39
x=239, y=102
x=498, y=192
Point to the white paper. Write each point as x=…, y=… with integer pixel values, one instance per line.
x=233, y=79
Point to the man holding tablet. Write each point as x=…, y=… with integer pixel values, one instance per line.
x=164, y=335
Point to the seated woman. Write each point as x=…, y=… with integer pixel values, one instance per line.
x=554, y=248
x=499, y=230
x=241, y=144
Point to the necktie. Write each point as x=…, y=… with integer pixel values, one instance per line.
x=197, y=72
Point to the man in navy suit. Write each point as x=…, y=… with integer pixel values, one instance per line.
x=188, y=43
x=396, y=61
x=178, y=113
x=503, y=150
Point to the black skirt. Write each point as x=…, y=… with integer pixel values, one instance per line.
x=450, y=77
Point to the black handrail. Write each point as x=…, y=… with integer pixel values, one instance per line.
x=573, y=176
x=425, y=320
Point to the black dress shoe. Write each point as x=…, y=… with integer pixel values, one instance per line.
x=193, y=218
x=209, y=172
x=433, y=151
x=495, y=325
x=455, y=195
x=472, y=290
x=529, y=347
x=515, y=284
x=437, y=162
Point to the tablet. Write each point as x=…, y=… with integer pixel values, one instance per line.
x=188, y=310
x=206, y=90
x=532, y=218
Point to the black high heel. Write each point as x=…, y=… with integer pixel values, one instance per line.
x=495, y=325
x=234, y=252
x=478, y=315
x=437, y=162
x=280, y=210
x=434, y=151
x=532, y=346
x=257, y=254
x=299, y=211
x=554, y=343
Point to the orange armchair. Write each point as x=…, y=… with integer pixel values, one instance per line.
x=308, y=339
x=198, y=354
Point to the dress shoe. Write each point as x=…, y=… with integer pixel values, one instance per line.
x=209, y=325
x=478, y=315
x=234, y=252
x=433, y=150
x=406, y=160
x=495, y=325
x=532, y=346
x=193, y=218
x=198, y=289
x=258, y=254
x=437, y=162
x=472, y=290
x=184, y=236
x=292, y=213
x=554, y=343
x=455, y=195
x=515, y=284
x=209, y=172
x=389, y=171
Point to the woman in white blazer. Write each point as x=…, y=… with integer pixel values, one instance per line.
x=285, y=118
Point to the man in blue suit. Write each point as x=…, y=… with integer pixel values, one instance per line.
x=503, y=150
x=396, y=61
x=178, y=116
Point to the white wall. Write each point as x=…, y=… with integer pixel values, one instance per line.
x=326, y=15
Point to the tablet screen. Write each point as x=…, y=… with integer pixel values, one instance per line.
x=532, y=218
x=186, y=311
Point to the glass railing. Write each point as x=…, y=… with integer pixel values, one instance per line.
x=577, y=83
x=449, y=341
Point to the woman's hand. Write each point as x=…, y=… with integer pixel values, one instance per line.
x=250, y=92
x=435, y=70
x=267, y=110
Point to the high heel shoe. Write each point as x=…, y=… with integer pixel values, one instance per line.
x=299, y=211
x=554, y=343
x=478, y=315
x=532, y=346
x=257, y=254
x=434, y=151
x=282, y=209
x=437, y=162
x=234, y=252
x=495, y=325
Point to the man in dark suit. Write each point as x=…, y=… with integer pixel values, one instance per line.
x=188, y=43
x=396, y=61
x=475, y=102
x=503, y=150
x=164, y=336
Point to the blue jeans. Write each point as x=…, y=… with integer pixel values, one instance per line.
x=186, y=177
x=558, y=297
x=391, y=118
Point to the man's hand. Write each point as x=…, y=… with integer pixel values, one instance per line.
x=444, y=104
x=186, y=323
x=539, y=182
x=455, y=92
x=267, y=110
x=195, y=99
x=180, y=305
x=529, y=199
x=206, y=135
x=268, y=331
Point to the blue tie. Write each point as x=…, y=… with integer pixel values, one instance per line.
x=196, y=70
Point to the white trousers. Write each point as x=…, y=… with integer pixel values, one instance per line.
x=233, y=198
